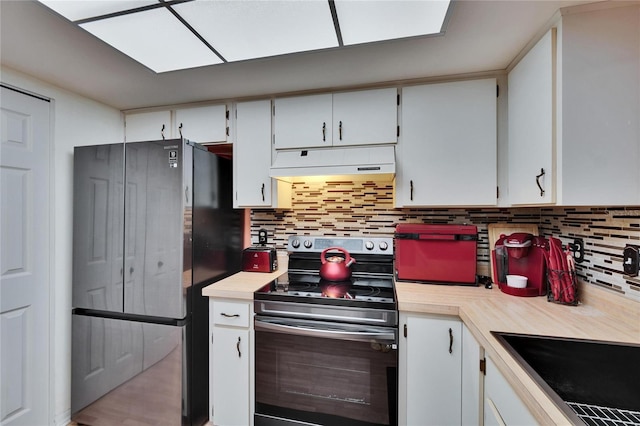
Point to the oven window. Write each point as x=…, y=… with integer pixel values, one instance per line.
x=325, y=381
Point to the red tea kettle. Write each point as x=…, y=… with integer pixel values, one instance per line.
x=335, y=268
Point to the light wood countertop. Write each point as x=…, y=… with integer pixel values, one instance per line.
x=601, y=316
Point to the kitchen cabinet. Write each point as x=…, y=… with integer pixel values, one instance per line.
x=532, y=125
x=202, y=124
x=339, y=119
x=574, y=113
x=231, y=361
x=253, y=187
x=148, y=126
x=472, y=379
x=430, y=372
x=502, y=406
x=448, y=145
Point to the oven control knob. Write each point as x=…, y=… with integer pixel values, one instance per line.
x=295, y=243
x=384, y=246
x=369, y=245
x=308, y=244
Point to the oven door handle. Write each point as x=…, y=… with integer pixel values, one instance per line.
x=335, y=331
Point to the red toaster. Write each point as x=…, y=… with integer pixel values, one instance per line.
x=259, y=259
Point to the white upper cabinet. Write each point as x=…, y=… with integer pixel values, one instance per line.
x=303, y=122
x=574, y=113
x=253, y=186
x=202, y=124
x=339, y=119
x=148, y=126
x=532, y=125
x=448, y=145
x=365, y=117
x=599, y=107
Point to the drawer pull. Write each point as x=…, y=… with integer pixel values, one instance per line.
x=229, y=315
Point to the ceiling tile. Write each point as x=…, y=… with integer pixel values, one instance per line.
x=155, y=38
x=75, y=10
x=368, y=21
x=246, y=29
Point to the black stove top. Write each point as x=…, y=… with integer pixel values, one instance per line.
x=370, y=286
x=365, y=292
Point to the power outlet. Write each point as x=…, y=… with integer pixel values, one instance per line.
x=631, y=260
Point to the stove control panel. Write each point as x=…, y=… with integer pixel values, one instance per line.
x=354, y=245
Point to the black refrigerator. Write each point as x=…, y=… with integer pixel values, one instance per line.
x=153, y=224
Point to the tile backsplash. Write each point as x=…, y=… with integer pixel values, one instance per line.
x=351, y=208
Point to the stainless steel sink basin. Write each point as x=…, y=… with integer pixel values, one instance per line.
x=589, y=380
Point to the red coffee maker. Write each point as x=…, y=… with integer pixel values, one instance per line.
x=521, y=254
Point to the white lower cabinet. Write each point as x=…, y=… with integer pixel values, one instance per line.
x=231, y=363
x=472, y=379
x=430, y=370
x=501, y=404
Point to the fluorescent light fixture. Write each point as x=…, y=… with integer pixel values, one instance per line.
x=365, y=21
x=247, y=29
x=75, y=10
x=168, y=35
x=155, y=38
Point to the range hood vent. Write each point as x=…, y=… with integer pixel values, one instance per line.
x=360, y=162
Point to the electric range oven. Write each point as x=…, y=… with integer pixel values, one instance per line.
x=326, y=352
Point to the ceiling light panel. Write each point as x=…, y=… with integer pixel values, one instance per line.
x=246, y=29
x=75, y=10
x=364, y=21
x=155, y=38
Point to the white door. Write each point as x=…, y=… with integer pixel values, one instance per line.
x=24, y=260
x=303, y=121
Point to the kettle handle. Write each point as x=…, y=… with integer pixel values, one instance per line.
x=348, y=260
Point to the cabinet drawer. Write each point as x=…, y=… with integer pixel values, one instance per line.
x=231, y=313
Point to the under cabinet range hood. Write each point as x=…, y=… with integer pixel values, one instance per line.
x=354, y=162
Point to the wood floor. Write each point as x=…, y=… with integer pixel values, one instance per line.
x=151, y=398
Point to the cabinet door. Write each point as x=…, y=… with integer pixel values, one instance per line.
x=471, y=379
x=501, y=404
x=532, y=125
x=365, y=117
x=230, y=376
x=448, y=145
x=252, y=154
x=433, y=382
x=202, y=124
x=303, y=121
x=148, y=126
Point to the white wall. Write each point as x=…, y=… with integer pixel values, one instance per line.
x=76, y=121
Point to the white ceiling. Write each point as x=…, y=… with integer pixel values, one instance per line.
x=481, y=36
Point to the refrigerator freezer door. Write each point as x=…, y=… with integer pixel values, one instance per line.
x=125, y=371
x=155, y=200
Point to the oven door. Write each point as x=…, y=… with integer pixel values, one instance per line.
x=324, y=373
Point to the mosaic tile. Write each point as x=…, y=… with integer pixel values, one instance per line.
x=353, y=208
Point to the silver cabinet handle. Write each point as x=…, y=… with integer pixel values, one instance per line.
x=229, y=315
x=238, y=348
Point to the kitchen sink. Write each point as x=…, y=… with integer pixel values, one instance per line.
x=594, y=382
